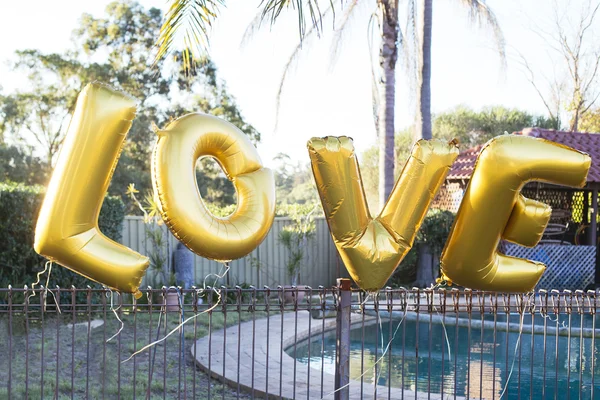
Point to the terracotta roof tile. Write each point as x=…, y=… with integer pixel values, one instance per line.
x=586, y=142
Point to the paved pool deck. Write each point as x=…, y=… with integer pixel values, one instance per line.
x=259, y=364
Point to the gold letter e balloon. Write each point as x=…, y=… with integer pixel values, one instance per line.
x=493, y=209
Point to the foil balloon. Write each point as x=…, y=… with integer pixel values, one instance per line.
x=371, y=248
x=67, y=227
x=493, y=209
x=178, y=148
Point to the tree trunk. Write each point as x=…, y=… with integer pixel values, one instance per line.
x=388, y=55
x=575, y=121
x=423, y=115
x=425, y=266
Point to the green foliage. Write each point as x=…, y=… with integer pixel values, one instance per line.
x=19, y=166
x=281, y=210
x=217, y=101
x=221, y=211
x=216, y=190
x=434, y=231
x=406, y=273
x=43, y=111
x=294, y=238
x=111, y=217
x=298, y=210
x=194, y=18
x=115, y=49
x=291, y=239
x=159, y=272
x=19, y=208
x=590, y=121
x=369, y=171
x=191, y=20
x=472, y=127
x=294, y=183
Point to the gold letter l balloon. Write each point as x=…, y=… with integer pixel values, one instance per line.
x=67, y=228
x=493, y=208
x=372, y=248
x=178, y=148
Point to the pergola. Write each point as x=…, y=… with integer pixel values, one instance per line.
x=572, y=221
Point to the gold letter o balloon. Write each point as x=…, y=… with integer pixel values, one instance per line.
x=179, y=146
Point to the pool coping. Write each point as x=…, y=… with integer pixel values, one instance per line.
x=474, y=323
x=259, y=364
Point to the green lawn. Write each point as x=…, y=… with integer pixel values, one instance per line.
x=96, y=365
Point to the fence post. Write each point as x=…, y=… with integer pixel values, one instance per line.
x=342, y=355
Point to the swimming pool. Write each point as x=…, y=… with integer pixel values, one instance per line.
x=480, y=359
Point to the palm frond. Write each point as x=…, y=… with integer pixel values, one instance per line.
x=339, y=31
x=411, y=42
x=374, y=78
x=272, y=10
x=408, y=46
x=252, y=28
x=482, y=14
x=288, y=65
x=195, y=18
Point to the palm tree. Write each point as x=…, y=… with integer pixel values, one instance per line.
x=191, y=21
x=195, y=16
x=387, y=13
x=480, y=13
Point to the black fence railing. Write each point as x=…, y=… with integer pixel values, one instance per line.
x=299, y=343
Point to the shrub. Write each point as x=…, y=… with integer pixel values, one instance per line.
x=434, y=231
x=297, y=210
x=281, y=210
x=19, y=263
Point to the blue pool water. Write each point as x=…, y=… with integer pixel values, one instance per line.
x=480, y=365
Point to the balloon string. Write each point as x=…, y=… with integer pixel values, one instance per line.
x=157, y=333
x=176, y=328
x=52, y=293
x=185, y=321
x=37, y=282
x=518, y=344
x=382, y=354
x=116, y=315
x=445, y=331
x=181, y=307
x=439, y=283
x=217, y=276
x=378, y=360
x=44, y=292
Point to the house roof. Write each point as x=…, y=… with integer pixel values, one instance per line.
x=586, y=142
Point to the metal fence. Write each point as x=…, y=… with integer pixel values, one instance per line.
x=266, y=265
x=302, y=343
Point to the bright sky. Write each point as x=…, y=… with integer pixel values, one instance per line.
x=320, y=98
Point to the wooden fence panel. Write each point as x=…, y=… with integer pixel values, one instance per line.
x=264, y=266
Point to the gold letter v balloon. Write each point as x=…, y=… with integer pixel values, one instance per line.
x=493, y=208
x=67, y=228
x=178, y=148
x=372, y=248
